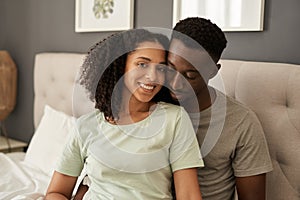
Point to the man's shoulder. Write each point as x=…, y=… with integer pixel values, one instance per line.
x=237, y=110
x=235, y=104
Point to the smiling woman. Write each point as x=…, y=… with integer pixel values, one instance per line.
x=133, y=144
x=144, y=76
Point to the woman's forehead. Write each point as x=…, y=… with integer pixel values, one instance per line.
x=150, y=45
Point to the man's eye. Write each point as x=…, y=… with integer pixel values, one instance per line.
x=191, y=75
x=142, y=65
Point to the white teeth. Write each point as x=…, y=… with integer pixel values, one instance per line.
x=147, y=87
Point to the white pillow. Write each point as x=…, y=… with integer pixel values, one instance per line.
x=49, y=139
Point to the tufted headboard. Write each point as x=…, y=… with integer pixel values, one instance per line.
x=54, y=84
x=272, y=91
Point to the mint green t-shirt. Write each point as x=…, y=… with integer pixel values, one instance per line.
x=134, y=161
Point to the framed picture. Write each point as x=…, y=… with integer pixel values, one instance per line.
x=103, y=15
x=229, y=15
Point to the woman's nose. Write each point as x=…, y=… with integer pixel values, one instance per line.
x=176, y=81
x=151, y=73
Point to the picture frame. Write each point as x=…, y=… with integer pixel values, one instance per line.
x=229, y=15
x=103, y=15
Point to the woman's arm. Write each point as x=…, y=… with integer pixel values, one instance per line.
x=186, y=184
x=61, y=187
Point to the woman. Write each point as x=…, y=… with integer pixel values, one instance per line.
x=133, y=143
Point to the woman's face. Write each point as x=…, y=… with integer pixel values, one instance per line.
x=145, y=71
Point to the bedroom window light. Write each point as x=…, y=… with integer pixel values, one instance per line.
x=8, y=90
x=230, y=15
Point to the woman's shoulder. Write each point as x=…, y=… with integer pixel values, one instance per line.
x=171, y=108
x=87, y=124
x=88, y=116
x=168, y=105
x=90, y=119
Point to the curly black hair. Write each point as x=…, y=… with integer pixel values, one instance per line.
x=105, y=64
x=203, y=32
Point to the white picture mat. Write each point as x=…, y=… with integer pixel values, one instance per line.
x=229, y=15
x=120, y=19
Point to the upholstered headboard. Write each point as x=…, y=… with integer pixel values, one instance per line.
x=272, y=91
x=55, y=77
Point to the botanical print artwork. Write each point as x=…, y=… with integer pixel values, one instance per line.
x=103, y=15
x=102, y=8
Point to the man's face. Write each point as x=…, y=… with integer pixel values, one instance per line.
x=192, y=70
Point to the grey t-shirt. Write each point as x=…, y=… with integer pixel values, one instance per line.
x=232, y=145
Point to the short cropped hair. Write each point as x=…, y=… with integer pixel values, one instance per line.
x=204, y=32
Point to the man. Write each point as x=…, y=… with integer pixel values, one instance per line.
x=231, y=138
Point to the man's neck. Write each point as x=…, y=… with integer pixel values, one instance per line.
x=205, y=99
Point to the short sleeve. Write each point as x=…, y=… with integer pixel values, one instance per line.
x=252, y=155
x=71, y=161
x=184, y=150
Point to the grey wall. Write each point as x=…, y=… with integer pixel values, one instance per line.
x=28, y=27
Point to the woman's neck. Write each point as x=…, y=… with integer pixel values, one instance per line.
x=132, y=110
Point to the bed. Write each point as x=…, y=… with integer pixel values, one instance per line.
x=58, y=101
x=274, y=96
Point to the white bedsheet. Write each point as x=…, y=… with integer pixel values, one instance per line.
x=18, y=180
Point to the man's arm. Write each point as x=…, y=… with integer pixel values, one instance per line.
x=251, y=187
x=82, y=189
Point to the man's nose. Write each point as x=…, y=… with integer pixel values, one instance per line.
x=176, y=82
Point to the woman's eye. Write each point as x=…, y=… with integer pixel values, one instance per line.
x=142, y=65
x=170, y=70
x=162, y=68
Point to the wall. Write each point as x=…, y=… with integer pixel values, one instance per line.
x=31, y=26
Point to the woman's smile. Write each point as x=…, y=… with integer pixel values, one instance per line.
x=147, y=87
